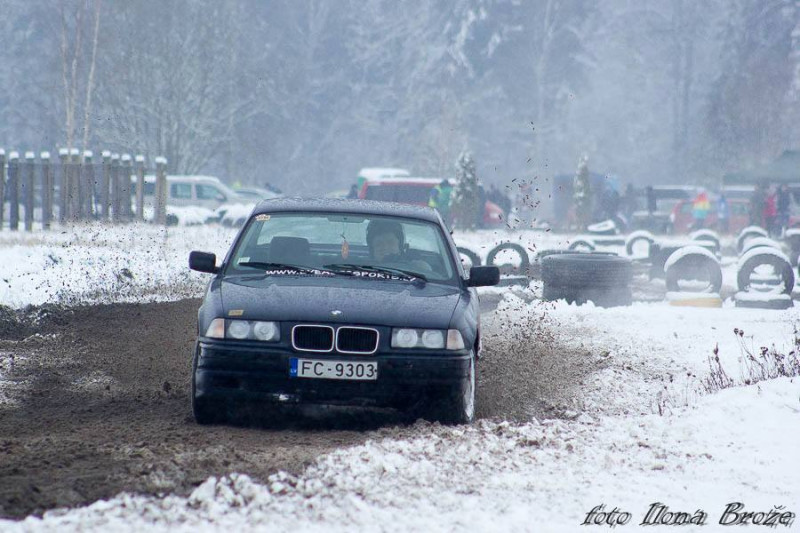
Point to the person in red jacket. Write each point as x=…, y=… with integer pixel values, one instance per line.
x=770, y=211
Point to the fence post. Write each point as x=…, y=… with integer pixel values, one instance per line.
x=105, y=198
x=88, y=189
x=75, y=184
x=2, y=186
x=13, y=191
x=139, y=187
x=161, y=190
x=63, y=184
x=125, y=186
x=29, y=184
x=47, y=190
x=115, y=203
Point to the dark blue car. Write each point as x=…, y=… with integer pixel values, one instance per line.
x=346, y=302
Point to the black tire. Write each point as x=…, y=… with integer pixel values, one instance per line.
x=457, y=405
x=474, y=259
x=635, y=237
x=759, y=242
x=658, y=257
x=205, y=413
x=581, y=245
x=586, y=270
x=524, y=264
x=777, y=303
x=747, y=233
x=707, y=235
x=781, y=266
x=688, y=266
x=600, y=296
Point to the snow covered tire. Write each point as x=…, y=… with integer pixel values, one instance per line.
x=637, y=236
x=687, y=263
x=756, y=258
x=474, y=259
x=525, y=261
x=748, y=233
x=586, y=270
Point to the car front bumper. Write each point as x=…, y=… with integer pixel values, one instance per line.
x=237, y=371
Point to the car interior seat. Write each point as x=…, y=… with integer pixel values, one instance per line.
x=290, y=250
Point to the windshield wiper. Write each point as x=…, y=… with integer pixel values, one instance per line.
x=279, y=266
x=383, y=270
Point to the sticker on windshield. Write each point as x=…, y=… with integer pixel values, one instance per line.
x=262, y=218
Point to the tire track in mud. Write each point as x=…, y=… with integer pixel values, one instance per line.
x=99, y=404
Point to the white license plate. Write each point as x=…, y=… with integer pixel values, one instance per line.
x=316, y=368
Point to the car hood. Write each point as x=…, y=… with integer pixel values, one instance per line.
x=360, y=301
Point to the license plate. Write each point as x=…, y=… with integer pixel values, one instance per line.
x=319, y=369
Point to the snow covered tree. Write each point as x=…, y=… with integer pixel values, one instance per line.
x=466, y=194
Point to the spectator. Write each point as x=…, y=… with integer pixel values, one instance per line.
x=651, y=200
x=440, y=199
x=757, y=206
x=784, y=203
x=353, y=191
x=700, y=208
x=723, y=216
x=629, y=202
x=770, y=212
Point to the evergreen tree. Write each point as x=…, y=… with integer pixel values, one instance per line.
x=466, y=194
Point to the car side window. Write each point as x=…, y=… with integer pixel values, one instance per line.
x=208, y=192
x=182, y=191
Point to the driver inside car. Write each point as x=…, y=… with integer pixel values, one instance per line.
x=387, y=245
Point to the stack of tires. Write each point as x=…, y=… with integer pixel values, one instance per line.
x=601, y=278
x=693, y=277
x=765, y=278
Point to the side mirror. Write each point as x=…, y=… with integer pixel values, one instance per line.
x=221, y=197
x=203, y=262
x=483, y=276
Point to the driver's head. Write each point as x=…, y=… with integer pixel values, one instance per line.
x=385, y=238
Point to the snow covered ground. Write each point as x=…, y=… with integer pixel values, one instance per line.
x=646, y=429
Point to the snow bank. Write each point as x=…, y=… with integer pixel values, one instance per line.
x=99, y=264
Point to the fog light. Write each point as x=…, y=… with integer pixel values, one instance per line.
x=238, y=329
x=404, y=338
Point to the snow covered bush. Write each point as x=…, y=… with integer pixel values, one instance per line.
x=466, y=194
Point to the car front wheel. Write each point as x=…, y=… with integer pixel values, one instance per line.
x=204, y=412
x=456, y=406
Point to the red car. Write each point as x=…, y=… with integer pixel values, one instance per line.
x=417, y=191
x=738, y=216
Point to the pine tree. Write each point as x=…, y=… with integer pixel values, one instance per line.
x=466, y=193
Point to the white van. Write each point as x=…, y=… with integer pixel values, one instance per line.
x=183, y=191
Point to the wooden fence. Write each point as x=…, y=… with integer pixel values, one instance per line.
x=77, y=187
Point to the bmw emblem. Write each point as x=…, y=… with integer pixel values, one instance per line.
x=336, y=313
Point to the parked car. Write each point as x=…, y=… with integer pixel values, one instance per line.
x=339, y=301
x=255, y=194
x=738, y=212
x=417, y=191
x=201, y=191
x=666, y=198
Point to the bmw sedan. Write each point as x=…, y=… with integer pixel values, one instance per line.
x=335, y=301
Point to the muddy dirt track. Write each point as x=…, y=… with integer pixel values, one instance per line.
x=95, y=401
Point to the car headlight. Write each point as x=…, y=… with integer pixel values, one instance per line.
x=220, y=328
x=429, y=339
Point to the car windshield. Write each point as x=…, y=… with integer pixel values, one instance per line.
x=330, y=244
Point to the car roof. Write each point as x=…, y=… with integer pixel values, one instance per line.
x=346, y=205
x=406, y=181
